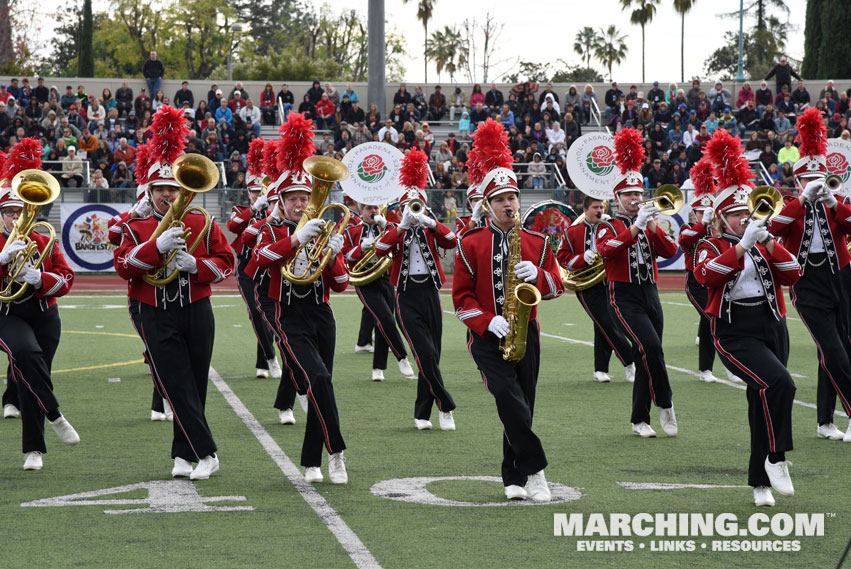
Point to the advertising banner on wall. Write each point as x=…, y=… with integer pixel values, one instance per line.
x=85, y=235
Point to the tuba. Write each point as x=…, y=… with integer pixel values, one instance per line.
x=521, y=298
x=36, y=189
x=195, y=174
x=326, y=173
x=362, y=273
x=668, y=199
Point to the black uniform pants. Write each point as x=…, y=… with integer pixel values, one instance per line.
x=268, y=307
x=638, y=308
x=180, y=343
x=367, y=325
x=308, y=332
x=377, y=299
x=513, y=386
x=265, y=339
x=156, y=398
x=822, y=304
x=30, y=338
x=608, y=333
x=755, y=347
x=420, y=316
x=698, y=296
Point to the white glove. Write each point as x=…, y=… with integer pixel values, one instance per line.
x=478, y=211
x=14, y=247
x=754, y=232
x=426, y=220
x=261, y=202
x=707, y=216
x=143, y=206
x=498, y=326
x=408, y=219
x=828, y=199
x=335, y=243
x=645, y=214
x=588, y=256
x=605, y=217
x=276, y=212
x=812, y=189
x=170, y=239
x=185, y=262
x=310, y=230
x=379, y=219
x=527, y=271
x=366, y=243
x=30, y=276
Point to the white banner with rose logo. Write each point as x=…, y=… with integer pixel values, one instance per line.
x=373, y=173
x=591, y=165
x=839, y=162
x=85, y=235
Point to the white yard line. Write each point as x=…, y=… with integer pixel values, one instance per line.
x=354, y=547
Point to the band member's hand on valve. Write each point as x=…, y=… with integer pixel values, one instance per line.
x=605, y=217
x=367, y=242
x=478, y=211
x=707, y=216
x=335, y=243
x=408, y=219
x=143, y=206
x=30, y=276
x=811, y=190
x=10, y=251
x=827, y=198
x=170, y=239
x=310, y=230
x=498, y=326
x=526, y=271
x=276, y=212
x=588, y=256
x=645, y=215
x=754, y=233
x=379, y=219
x=186, y=262
x=426, y=220
x=261, y=202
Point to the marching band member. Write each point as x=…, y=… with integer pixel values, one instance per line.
x=240, y=218
x=160, y=409
x=30, y=326
x=367, y=328
x=475, y=205
x=629, y=244
x=418, y=275
x=813, y=228
x=304, y=321
x=743, y=270
x=479, y=290
x=377, y=296
x=177, y=323
x=579, y=250
x=690, y=233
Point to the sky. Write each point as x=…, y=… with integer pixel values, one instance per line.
x=546, y=32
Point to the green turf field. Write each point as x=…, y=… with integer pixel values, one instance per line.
x=584, y=427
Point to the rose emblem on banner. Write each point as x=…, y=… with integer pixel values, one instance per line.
x=837, y=164
x=372, y=168
x=601, y=160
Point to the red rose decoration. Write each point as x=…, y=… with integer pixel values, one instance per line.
x=373, y=164
x=603, y=156
x=837, y=163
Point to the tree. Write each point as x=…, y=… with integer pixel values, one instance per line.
x=583, y=45
x=835, y=21
x=448, y=51
x=812, y=39
x=481, y=39
x=275, y=24
x=530, y=71
x=611, y=48
x=86, y=63
x=683, y=7
x=641, y=15
x=6, y=50
x=425, y=9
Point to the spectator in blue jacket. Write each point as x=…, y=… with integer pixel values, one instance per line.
x=223, y=112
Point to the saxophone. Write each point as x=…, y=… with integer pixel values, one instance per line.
x=521, y=298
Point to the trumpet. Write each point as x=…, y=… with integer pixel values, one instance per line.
x=365, y=271
x=326, y=173
x=196, y=174
x=36, y=189
x=833, y=183
x=668, y=199
x=415, y=205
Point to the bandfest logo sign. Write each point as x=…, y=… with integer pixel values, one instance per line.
x=374, y=169
x=85, y=235
x=591, y=164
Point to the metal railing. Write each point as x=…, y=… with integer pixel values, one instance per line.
x=597, y=116
x=57, y=168
x=761, y=172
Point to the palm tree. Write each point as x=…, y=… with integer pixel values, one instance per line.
x=425, y=9
x=642, y=15
x=583, y=45
x=437, y=52
x=610, y=47
x=683, y=7
x=456, y=51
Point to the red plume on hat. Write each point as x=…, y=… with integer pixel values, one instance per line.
x=296, y=143
x=731, y=166
x=2, y=164
x=414, y=170
x=25, y=155
x=703, y=178
x=255, y=157
x=170, y=132
x=812, y=134
x=143, y=163
x=629, y=150
x=490, y=150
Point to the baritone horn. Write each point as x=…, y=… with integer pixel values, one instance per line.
x=764, y=202
x=36, y=189
x=366, y=271
x=589, y=275
x=326, y=172
x=668, y=199
x=196, y=174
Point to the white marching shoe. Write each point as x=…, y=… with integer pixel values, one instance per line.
x=668, y=420
x=367, y=349
x=697, y=341
x=643, y=430
x=406, y=369
x=169, y=414
x=829, y=431
x=515, y=492
x=422, y=424
x=706, y=376
x=601, y=377
x=182, y=468
x=262, y=373
x=11, y=412
x=337, y=468
x=847, y=438
x=207, y=466
x=65, y=431
x=378, y=375
x=286, y=417
x=302, y=400
x=447, y=421
x=630, y=373
x=762, y=496
x=274, y=368
x=313, y=474
x=734, y=378
x=33, y=461
x=157, y=416
x=537, y=489
x=778, y=474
